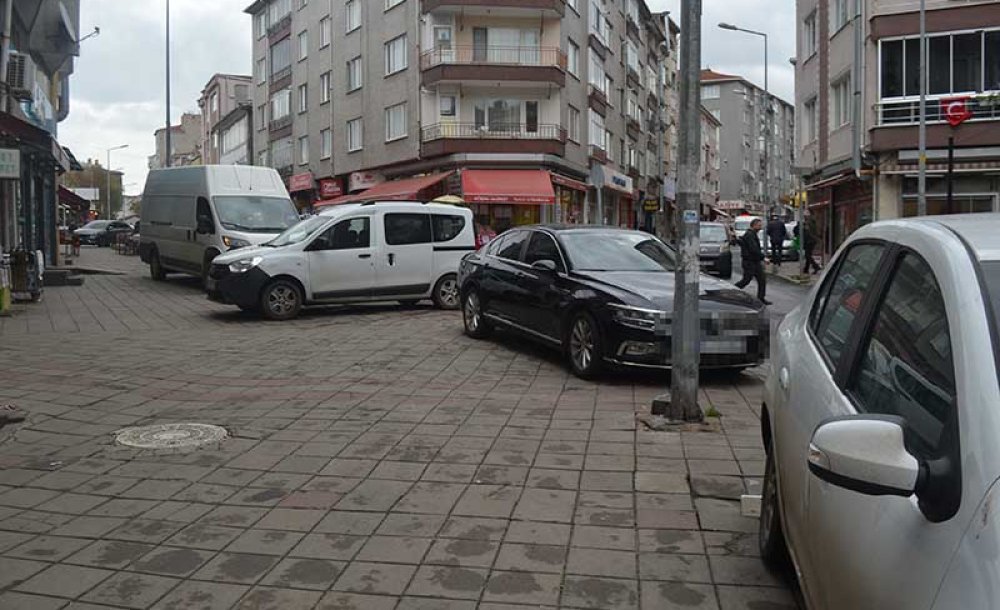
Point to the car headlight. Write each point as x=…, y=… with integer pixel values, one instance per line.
x=234, y=242
x=635, y=317
x=244, y=265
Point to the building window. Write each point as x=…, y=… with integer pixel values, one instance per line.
x=303, y=98
x=838, y=15
x=958, y=63
x=213, y=103
x=395, y=122
x=810, y=36
x=260, y=71
x=281, y=104
x=395, y=55
x=262, y=117
x=597, y=133
x=355, y=135
x=573, y=126
x=304, y=150
x=446, y=105
x=711, y=92
x=598, y=22
x=303, y=44
x=278, y=10
x=810, y=121
x=324, y=87
x=325, y=144
x=260, y=24
x=391, y=3
x=597, y=78
x=840, y=103
x=324, y=32
x=573, y=59
x=281, y=56
x=354, y=81
x=353, y=15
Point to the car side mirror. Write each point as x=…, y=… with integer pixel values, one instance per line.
x=545, y=265
x=866, y=454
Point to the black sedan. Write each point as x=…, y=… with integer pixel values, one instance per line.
x=603, y=296
x=102, y=232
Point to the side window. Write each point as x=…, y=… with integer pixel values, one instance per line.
x=446, y=227
x=511, y=248
x=405, y=229
x=493, y=248
x=349, y=234
x=840, y=299
x=907, y=368
x=542, y=247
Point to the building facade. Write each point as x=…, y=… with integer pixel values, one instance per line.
x=452, y=94
x=222, y=95
x=185, y=143
x=711, y=128
x=857, y=91
x=750, y=178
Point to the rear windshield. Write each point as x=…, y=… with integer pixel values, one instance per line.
x=742, y=224
x=712, y=233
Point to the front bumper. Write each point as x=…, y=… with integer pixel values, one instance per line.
x=89, y=239
x=241, y=289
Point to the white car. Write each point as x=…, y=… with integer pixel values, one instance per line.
x=377, y=251
x=881, y=422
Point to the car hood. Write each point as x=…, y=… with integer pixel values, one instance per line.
x=655, y=290
x=245, y=252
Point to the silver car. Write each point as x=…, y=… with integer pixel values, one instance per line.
x=881, y=422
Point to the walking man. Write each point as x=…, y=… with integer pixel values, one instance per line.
x=777, y=233
x=808, y=246
x=753, y=260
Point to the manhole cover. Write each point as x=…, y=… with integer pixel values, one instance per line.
x=170, y=436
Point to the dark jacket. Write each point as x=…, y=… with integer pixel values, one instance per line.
x=777, y=232
x=809, y=237
x=750, y=249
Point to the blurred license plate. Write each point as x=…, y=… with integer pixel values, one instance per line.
x=727, y=345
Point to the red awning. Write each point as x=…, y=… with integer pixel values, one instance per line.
x=68, y=197
x=396, y=190
x=524, y=186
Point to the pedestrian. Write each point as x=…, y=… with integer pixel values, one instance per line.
x=808, y=246
x=753, y=260
x=777, y=233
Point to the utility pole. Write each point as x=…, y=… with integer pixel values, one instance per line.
x=166, y=136
x=922, y=158
x=107, y=174
x=685, y=324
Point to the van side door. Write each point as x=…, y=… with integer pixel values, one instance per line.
x=405, y=258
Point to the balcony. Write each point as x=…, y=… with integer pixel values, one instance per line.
x=280, y=29
x=451, y=138
x=524, y=64
x=898, y=122
x=280, y=128
x=633, y=127
x=549, y=8
x=598, y=154
x=598, y=101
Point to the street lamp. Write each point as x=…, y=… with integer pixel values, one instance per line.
x=108, y=175
x=767, y=101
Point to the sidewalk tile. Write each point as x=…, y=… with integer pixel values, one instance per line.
x=600, y=593
x=305, y=573
x=677, y=596
x=523, y=588
x=171, y=561
x=385, y=578
x=269, y=598
x=131, y=590
x=531, y=557
x=64, y=581
x=202, y=595
x=465, y=553
x=448, y=582
x=241, y=568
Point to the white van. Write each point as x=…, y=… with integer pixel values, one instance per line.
x=192, y=214
x=377, y=251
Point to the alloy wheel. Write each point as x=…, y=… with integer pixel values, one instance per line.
x=448, y=293
x=471, y=312
x=282, y=300
x=768, y=503
x=581, y=344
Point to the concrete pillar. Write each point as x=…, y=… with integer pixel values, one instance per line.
x=889, y=195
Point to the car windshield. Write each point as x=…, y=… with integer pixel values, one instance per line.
x=299, y=232
x=712, y=233
x=616, y=251
x=97, y=224
x=255, y=214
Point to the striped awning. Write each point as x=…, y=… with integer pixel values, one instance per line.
x=960, y=167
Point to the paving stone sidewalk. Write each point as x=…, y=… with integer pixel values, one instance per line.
x=378, y=459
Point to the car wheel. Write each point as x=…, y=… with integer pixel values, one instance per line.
x=281, y=300
x=583, y=346
x=206, y=266
x=156, y=270
x=476, y=325
x=446, y=292
x=770, y=535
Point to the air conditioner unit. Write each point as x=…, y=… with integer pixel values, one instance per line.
x=21, y=76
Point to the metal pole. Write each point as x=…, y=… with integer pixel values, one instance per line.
x=951, y=172
x=107, y=174
x=768, y=129
x=922, y=168
x=661, y=120
x=166, y=136
x=8, y=15
x=685, y=324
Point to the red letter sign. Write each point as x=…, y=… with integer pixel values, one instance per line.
x=956, y=110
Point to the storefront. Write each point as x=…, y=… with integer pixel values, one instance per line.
x=302, y=188
x=571, y=196
x=619, y=200
x=839, y=206
x=505, y=198
x=420, y=188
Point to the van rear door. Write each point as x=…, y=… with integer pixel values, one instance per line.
x=403, y=266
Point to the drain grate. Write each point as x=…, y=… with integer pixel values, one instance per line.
x=170, y=436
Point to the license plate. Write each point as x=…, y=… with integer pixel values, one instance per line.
x=728, y=345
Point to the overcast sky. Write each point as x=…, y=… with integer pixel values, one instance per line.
x=117, y=91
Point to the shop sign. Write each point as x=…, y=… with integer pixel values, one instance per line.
x=10, y=164
x=359, y=181
x=651, y=205
x=734, y=204
x=670, y=188
x=300, y=182
x=330, y=188
x=618, y=181
x=956, y=110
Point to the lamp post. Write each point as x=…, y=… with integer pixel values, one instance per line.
x=768, y=129
x=922, y=135
x=108, y=175
x=166, y=135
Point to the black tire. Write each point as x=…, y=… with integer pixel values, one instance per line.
x=281, y=300
x=476, y=326
x=770, y=534
x=156, y=270
x=584, y=346
x=446, y=295
x=206, y=266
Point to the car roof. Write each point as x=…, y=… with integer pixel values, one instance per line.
x=979, y=231
x=338, y=210
x=563, y=228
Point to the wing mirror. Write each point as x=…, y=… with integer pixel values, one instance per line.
x=545, y=265
x=866, y=454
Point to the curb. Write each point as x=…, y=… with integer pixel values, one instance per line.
x=808, y=281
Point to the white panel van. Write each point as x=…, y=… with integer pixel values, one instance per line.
x=378, y=251
x=192, y=214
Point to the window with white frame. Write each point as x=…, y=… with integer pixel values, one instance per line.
x=573, y=124
x=632, y=57
x=840, y=103
x=710, y=92
x=262, y=117
x=278, y=10
x=573, y=59
x=608, y=140
x=324, y=87
x=810, y=36
x=260, y=24
x=281, y=56
x=353, y=13
x=282, y=153
x=281, y=103
x=213, y=102
x=596, y=75
x=354, y=79
x=839, y=15
x=355, y=135
x=633, y=111
x=303, y=98
x=303, y=44
x=957, y=63
x=395, y=55
x=324, y=32
x=598, y=22
x=260, y=71
x=597, y=133
x=395, y=122
x=304, y=150
x=391, y=3
x=810, y=121
x=447, y=106
x=325, y=144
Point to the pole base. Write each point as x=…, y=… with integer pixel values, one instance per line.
x=662, y=407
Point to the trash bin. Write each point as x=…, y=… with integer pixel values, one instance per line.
x=26, y=276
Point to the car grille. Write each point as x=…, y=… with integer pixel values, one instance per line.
x=217, y=272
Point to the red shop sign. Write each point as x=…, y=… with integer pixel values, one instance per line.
x=330, y=188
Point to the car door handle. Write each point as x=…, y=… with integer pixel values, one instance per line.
x=364, y=256
x=392, y=259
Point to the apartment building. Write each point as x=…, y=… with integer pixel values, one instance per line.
x=185, y=143
x=711, y=128
x=750, y=178
x=224, y=104
x=529, y=111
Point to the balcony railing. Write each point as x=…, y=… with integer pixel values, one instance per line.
x=984, y=107
x=493, y=131
x=530, y=56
